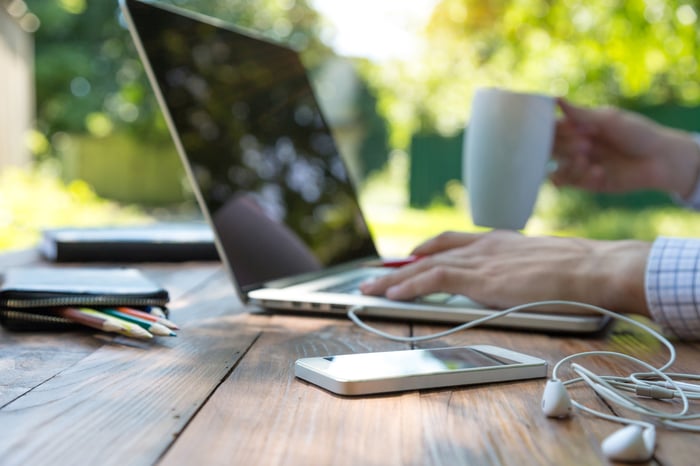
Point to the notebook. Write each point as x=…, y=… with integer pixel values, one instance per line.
x=268, y=175
x=159, y=242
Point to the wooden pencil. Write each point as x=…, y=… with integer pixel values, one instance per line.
x=153, y=327
x=147, y=316
x=90, y=318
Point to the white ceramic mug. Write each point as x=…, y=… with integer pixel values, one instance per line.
x=506, y=149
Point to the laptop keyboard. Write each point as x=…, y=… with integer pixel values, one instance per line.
x=351, y=286
x=347, y=287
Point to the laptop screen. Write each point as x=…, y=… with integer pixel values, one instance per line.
x=265, y=166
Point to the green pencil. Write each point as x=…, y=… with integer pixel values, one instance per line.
x=153, y=327
x=104, y=322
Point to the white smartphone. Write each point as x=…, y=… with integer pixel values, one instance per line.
x=390, y=371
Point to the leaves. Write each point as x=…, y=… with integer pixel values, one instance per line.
x=24, y=209
x=594, y=52
x=88, y=72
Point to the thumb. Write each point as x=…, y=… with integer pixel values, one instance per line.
x=583, y=119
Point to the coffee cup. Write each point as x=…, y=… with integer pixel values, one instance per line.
x=507, y=145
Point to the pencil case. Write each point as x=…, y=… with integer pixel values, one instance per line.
x=28, y=295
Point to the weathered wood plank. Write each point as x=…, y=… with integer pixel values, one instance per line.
x=223, y=392
x=263, y=415
x=126, y=403
x=263, y=409
x=28, y=359
x=503, y=423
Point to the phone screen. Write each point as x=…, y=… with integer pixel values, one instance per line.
x=414, y=362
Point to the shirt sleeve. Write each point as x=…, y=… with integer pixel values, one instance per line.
x=672, y=285
x=693, y=201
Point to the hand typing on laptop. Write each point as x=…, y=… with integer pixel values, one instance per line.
x=288, y=223
x=503, y=268
x=600, y=150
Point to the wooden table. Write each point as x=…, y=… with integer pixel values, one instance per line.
x=223, y=392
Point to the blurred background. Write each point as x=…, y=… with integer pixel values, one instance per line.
x=82, y=141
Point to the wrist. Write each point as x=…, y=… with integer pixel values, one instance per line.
x=682, y=163
x=621, y=283
x=692, y=200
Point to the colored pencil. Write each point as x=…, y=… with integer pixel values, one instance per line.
x=156, y=311
x=133, y=330
x=91, y=318
x=147, y=316
x=153, y=327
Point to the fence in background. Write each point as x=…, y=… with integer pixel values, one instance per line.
x=16, y=90
x=437, y=160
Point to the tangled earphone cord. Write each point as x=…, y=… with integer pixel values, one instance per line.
x=352, y=314
x=605, y=386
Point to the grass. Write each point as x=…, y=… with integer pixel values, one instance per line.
x=398, y=228
x=34, y=199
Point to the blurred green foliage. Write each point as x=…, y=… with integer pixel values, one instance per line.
x=643, y=55
x=629, y=53
x=31, y=200
x=635, y=54
x=566, y=212
x=616, y=52
x=128, y=169
x=89, y=78
x=572, y=212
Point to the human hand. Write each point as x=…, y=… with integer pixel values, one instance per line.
x=503, y=268
x=612, y=150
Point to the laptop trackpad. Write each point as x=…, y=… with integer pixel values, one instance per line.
x=450, y=300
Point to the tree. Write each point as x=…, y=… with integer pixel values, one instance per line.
x=593, y=52
x=89, y=78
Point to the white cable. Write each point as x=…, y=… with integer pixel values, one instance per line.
x=656, y=383
x=648, y=379
x=352, y=315
x=604, y=380
x=682, y=425
x=601, y=386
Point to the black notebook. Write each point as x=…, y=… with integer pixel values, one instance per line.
x=30, y=296
x=161, y=242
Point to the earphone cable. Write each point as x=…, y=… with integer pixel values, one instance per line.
x=644, y=382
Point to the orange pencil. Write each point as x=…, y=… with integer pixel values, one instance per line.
x=90, y=318
x=147, y=316
x=153, y=327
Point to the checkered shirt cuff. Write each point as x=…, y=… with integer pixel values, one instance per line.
x=673, y=285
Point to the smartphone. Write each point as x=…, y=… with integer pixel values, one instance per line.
x=391, y=371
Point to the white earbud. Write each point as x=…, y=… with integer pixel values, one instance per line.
x=631, y=444
x=555, y=399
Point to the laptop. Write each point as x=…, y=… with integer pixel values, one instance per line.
x=269, y=178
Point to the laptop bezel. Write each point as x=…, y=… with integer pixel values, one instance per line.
x=317, y=301
x=242, y=292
